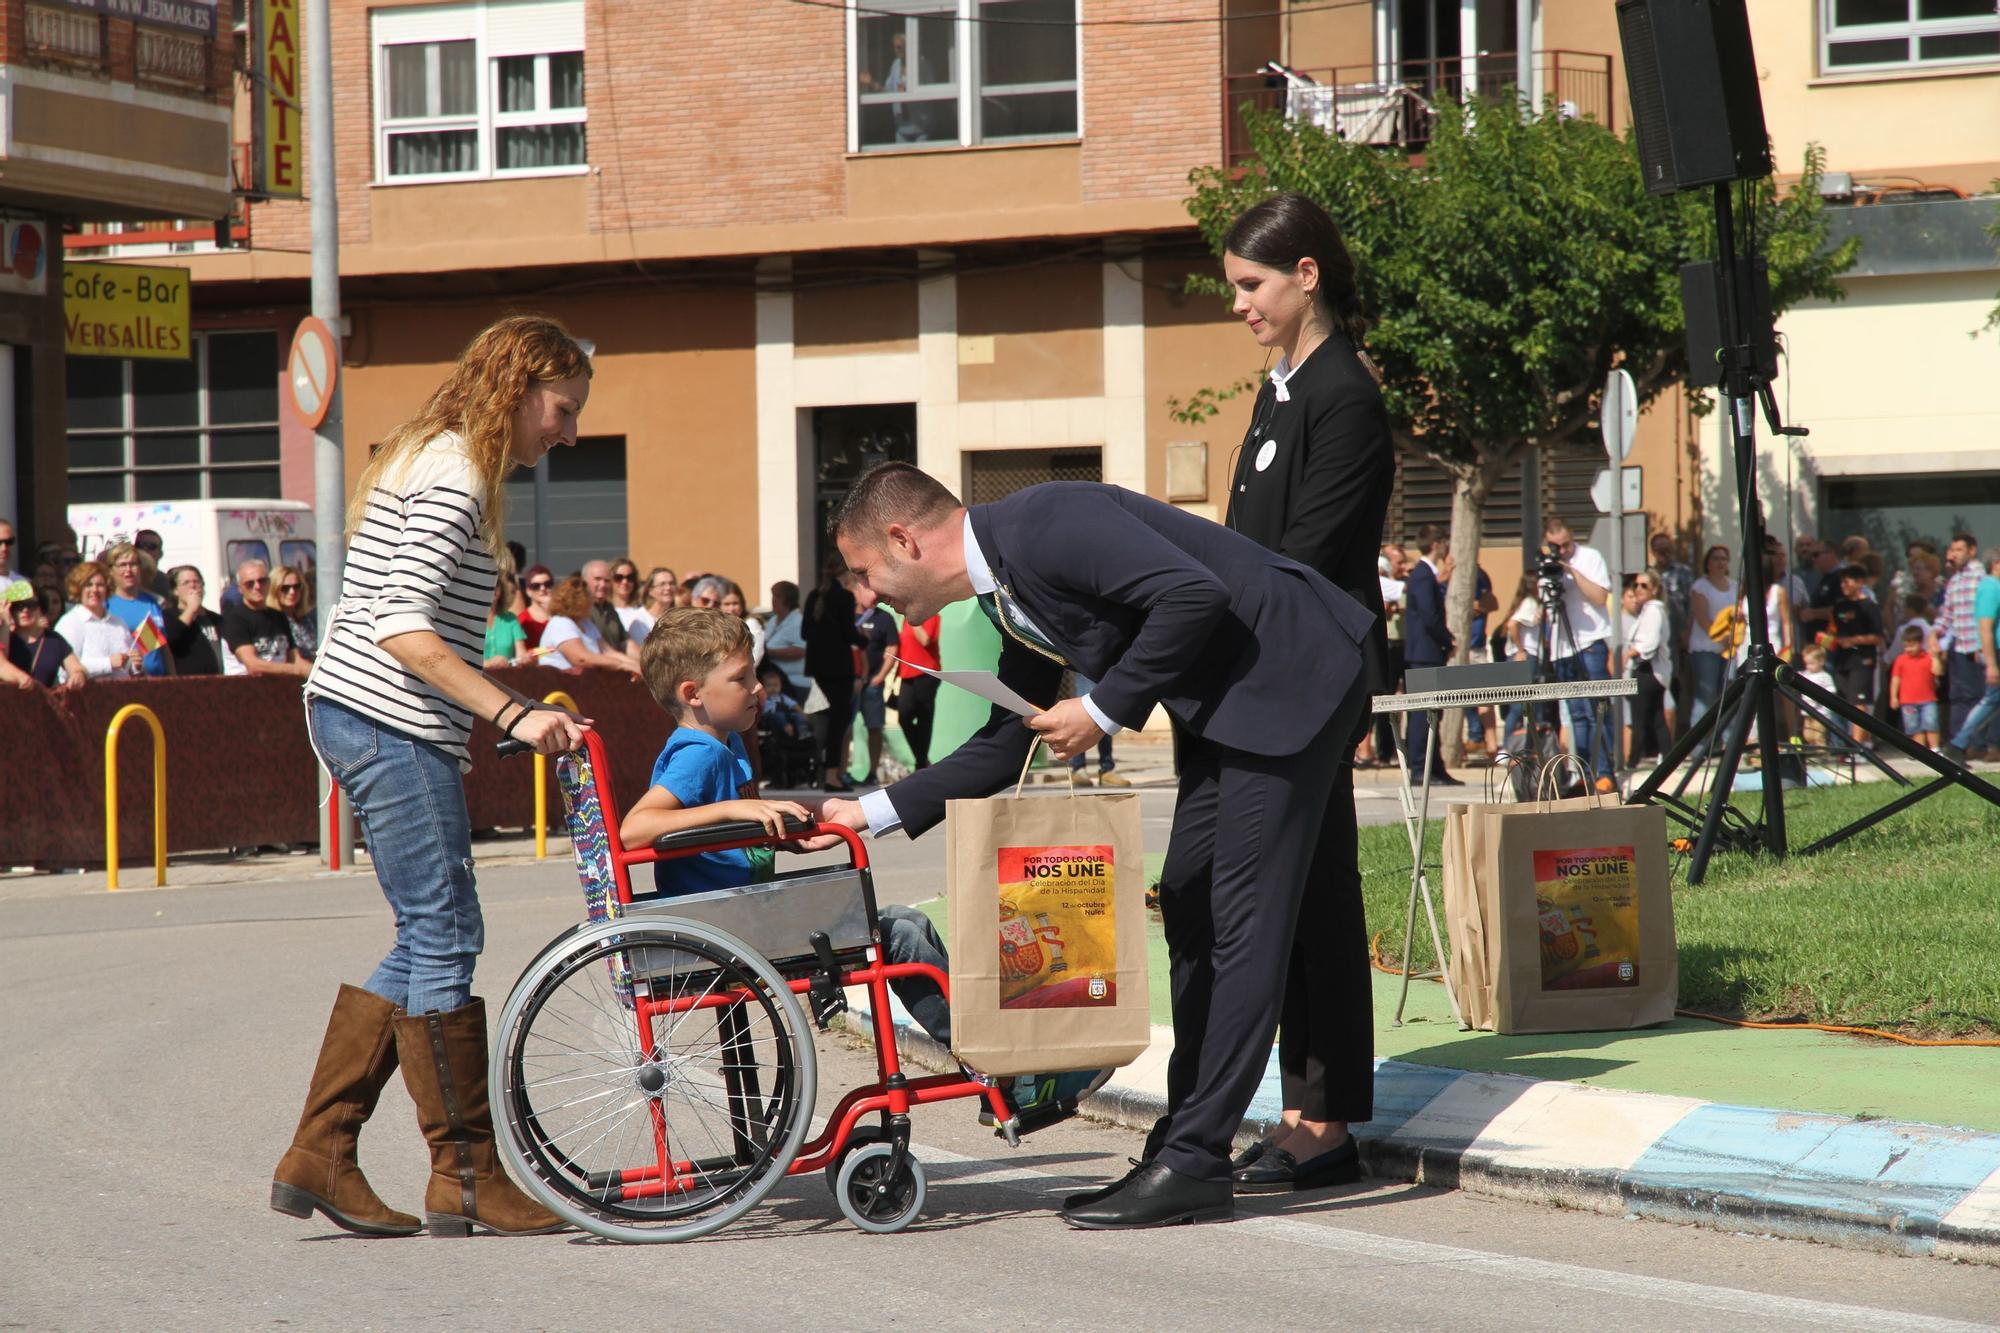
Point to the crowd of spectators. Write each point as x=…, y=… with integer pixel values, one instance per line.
x=69, y=619
x=1915, y=649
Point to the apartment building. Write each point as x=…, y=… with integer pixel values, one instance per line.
x=802, y=236
x=110, y=112
x=1898, y=386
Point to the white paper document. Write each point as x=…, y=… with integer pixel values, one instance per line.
x=987, y=686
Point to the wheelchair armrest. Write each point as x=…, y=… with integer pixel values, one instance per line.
x=741, y=830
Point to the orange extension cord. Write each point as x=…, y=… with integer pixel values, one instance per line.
x=1382, y=965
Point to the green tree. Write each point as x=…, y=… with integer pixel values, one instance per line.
x=1508, y=270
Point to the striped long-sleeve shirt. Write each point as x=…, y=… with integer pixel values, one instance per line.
x=416, y=563
x=1958, y=627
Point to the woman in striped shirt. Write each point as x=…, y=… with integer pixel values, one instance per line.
x=390, y=705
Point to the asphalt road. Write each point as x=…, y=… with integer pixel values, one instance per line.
x=158, y=1042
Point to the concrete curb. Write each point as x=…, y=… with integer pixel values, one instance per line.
x=1886, y=1185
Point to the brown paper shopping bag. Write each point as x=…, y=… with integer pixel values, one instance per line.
x=1048, y=932
x=1561, y=914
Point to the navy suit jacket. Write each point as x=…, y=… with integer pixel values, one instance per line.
x=1426, y=641
x=1244, y=647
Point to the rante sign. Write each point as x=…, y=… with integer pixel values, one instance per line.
x=120, y=310
x=277, y=167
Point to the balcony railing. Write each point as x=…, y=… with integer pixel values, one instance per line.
x=173, y=57
x=1395, y=104
x=70, y=36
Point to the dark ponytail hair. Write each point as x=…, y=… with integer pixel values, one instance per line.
x=1280, y=231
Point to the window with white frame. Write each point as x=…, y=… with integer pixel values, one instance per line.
x=963, y=72
x=469, y=91
x=1901, y=34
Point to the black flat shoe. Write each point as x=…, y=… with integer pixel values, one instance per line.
x=1251, y=1153
x=1279, y=1172
x=1156, y=1196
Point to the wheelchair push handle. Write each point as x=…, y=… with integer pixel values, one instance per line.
x=510, y=747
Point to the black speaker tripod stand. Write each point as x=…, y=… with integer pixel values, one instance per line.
x=1752, y=697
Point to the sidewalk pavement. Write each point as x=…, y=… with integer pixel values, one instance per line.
x=1851, y=1142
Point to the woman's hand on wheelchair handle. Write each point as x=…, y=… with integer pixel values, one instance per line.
x=551, y=730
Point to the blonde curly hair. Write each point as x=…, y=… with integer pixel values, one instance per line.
x=476, y=402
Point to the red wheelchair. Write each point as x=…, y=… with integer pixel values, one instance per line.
x=655, y=1076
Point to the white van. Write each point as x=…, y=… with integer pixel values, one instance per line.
x=215, y=536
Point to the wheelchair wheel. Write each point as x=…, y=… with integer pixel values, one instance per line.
x=655, y=1079
x=862, y=1136
x=873, y=1196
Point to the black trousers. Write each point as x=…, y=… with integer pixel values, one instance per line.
x=1326, y=1030
x=1649, y=717
x=916, y=706
x=1246, y=830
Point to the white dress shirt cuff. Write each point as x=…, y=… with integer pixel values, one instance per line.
x=1104, y=724
x=880, y=812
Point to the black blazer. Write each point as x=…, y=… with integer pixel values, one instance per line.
x=1426, y=641
x=1322, y=497
x=1243, y=647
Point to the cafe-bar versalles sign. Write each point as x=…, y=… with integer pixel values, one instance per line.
x=122, y=310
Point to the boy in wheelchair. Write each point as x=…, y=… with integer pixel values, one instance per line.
x=697, y=664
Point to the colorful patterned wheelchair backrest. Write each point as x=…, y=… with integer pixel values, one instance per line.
x=590, y=844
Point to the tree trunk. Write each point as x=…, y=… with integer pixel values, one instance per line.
x=1469, y=491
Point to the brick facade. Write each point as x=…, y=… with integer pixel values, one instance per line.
x=1152, y=98
x=713, y=114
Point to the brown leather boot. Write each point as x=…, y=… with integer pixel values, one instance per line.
x=444, y=1067
x=319, y=1172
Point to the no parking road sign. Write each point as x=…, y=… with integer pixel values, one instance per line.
x=312, y=370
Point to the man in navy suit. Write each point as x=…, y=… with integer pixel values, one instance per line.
x=1427, y=643
x=1258, y=661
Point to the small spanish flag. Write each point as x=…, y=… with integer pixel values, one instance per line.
x=149, y=636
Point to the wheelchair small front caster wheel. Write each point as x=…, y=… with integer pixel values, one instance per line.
x=872, y=1196
x=862, y=1136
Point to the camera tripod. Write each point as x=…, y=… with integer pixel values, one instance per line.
x=1752, y=698
x=1543, y=722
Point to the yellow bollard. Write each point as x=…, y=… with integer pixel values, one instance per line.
x=560, y=699
x=111, y=794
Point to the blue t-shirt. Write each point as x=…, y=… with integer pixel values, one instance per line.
x=136, y=611
x=1986, y=601
x=700, y=770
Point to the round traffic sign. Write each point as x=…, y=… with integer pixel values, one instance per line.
x=312, y=370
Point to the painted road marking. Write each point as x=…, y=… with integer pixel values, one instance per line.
x=1510, y=1267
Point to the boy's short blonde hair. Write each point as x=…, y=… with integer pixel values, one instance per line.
x=686, y=644
x=1814, y=653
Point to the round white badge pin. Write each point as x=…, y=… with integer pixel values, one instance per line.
x=1266, y=454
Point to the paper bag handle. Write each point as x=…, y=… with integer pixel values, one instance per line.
x=1548, y=786
x=1028, y=763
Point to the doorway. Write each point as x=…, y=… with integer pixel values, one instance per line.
x=846, y=442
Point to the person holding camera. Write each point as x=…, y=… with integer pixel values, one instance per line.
x=1580, y=638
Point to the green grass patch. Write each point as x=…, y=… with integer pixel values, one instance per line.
x=1897, y=928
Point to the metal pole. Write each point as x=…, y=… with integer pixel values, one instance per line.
x=329, y=455
x=1524, y=52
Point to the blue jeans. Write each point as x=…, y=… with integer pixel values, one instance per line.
x=1593, y=662
x=410, y=802
x=909, y=937
x=1981, y=722
x=1706, y=671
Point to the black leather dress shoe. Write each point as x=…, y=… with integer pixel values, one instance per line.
x=1155, y=1196
x=1106, y=1191
x=1279, y=1172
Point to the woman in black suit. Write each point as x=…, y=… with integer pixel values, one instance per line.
x=1312, y=482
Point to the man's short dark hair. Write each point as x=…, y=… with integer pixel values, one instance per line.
x=891, y=493
x=1855, y=572
x=1429, y=535
x=1966, y=537
x=1553, y=526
